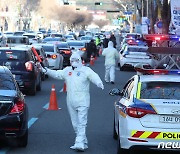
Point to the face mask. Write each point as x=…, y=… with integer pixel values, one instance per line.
x=74, y=64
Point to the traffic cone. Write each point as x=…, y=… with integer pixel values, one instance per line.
x=83, y=62
x=53, y=105
x=100, y=51
x=91, y=60
x=64, y=87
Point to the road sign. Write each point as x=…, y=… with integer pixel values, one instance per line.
x=128, y=12
x=159, y=24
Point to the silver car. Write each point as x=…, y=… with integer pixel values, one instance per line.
x=132, y=55
x=79, y=47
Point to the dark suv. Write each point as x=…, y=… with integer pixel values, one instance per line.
x=24, y=66
x=13, y=110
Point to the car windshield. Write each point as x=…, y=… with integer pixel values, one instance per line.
x=18, y=33
x=6, y=82
x=11, y=55
x=48, y=48
x=51, y=39
x=160, y=90
x=56, y=35
x=68, y=36
x=137, y=49
x=17, y=40
x=76, y=43
x=86, y=38
x=62, y=45
x=30, y=36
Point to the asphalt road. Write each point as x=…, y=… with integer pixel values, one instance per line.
x=51, y=132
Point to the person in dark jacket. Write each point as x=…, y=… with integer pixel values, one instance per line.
x=105, y=42
x=113, y=39
x=91, y=50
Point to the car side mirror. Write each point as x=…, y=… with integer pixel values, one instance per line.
x=72, y=48
x=115, y=92
x=48, y=55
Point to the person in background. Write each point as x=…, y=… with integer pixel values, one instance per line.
x=91, y=49
x=111, y=54
x=77, y=78
x=98, y=45
x=105, y=42
x=113, y=39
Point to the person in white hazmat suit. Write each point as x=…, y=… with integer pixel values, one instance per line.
x=111, y=55
x=77, y=78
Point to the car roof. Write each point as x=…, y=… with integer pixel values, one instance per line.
x=29, y=34
x=48, y=45
x=14, y=36
x=75, y=41
x=156, y=78
x=16, y=48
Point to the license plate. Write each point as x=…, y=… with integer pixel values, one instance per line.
x=169, y=119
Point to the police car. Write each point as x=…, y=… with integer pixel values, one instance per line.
x=147, y=112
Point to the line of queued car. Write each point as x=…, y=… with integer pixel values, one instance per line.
x=21, y=73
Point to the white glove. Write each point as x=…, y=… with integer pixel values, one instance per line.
x=100, y=85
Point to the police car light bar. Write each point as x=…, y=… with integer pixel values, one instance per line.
x=157, y=71
x=159, y=37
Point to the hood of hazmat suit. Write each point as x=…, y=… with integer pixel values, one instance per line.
x=75, y=60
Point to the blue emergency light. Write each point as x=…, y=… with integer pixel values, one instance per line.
x=161, y=37
x=157, y=71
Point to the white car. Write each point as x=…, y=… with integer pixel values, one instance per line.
x=132, y=55
x=147, y=112
x=86, y=38
x=79, y=47
x=33, y=38
x=54, y=58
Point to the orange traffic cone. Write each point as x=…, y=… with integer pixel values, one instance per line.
x=64, y=87
x=92, y=61
x=53, y=100
x=83, y=62
x=100, y=51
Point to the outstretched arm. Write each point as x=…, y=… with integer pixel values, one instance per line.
x=59, y=74
x=94, y=78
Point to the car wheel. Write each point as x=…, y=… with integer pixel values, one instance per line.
x=32, y=91
x=119, y=149
x=39, y=85
x=115, y=135
x=23, y=140
x=121, y=68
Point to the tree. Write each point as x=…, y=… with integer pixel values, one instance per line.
x=100, y=23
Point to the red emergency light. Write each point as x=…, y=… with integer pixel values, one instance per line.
x=156, y=37
x=157, y=71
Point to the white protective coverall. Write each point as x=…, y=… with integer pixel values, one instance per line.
x=111, y=54
x=77, y=78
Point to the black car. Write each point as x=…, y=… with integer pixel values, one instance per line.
x=24, y=66
x=65, y=51
x=13, y=110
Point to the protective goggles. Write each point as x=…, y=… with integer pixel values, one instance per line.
x=74, y=60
